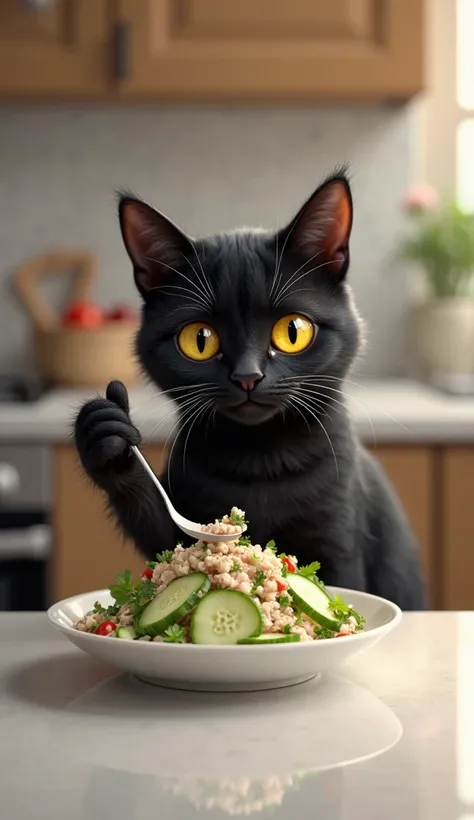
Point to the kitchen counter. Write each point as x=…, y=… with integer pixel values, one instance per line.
x=388, y=411
x=392, y=737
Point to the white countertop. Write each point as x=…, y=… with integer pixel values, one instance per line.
x=390, y=738
x=389, y=411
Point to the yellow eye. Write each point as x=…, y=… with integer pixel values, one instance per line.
x=198, y=342
x=293, y=333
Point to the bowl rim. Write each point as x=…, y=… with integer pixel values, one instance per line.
x=397, y=615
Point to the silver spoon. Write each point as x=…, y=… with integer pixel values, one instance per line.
x=189, y=527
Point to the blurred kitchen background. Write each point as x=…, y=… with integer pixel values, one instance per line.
x=225, y=114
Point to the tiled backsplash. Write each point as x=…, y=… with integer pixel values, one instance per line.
x=209, y=169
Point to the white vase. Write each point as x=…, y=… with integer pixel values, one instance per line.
x=442, y=332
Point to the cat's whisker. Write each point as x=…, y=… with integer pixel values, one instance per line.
x=312, y=394
x=203, y=282
x=181, y=406
x=212, y=410
x=318, y=404
x=185, y=419
x=297, y=410
x=350, y=398
x=160, y=423
x=295, y=273
x=277, y=276
x=188, y=387
x=324, y=431
x=186, y=404
x=284, y=290
x=180, y=423
x=205, y=277
x=202, y=412
x=195, y=292
x=310, y=384
x=358, y=401
x=192, y=296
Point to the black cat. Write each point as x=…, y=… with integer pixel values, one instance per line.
x=252, y=333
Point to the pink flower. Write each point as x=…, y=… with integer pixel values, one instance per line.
x=420, y=198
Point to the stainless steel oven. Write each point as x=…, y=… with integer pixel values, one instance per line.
x=25, y=531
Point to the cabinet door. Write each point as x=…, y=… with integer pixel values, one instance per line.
x=458, y=528
x=273, y=48
x=58, y=50
x=88, y=550
x=414, y=475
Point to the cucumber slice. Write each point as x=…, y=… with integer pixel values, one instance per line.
x=272, y=637
x=127, y=633
x=312, y=600
x=225, y=616
x=179, y=598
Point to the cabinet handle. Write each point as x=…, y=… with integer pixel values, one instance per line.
x=121, y=49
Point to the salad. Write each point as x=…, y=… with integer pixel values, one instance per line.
x=232, y=592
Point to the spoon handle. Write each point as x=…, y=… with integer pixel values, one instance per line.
x=155, y=480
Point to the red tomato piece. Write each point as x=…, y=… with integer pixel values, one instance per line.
x=148, y=574
x=281, y=586
x=105, y=628
x=291, y=567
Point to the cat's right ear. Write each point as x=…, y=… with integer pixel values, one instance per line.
x=154, y=244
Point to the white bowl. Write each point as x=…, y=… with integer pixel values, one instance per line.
x=227, y=668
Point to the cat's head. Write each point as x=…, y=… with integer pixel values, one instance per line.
x=254, y=323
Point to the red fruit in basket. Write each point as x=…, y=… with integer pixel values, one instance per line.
x=121, y=313
x=84, y=314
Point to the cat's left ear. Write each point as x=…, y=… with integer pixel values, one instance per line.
x=321, y=230
x=155, y=245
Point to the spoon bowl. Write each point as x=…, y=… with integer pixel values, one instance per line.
x=191, y=528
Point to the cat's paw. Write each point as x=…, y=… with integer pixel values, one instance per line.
x=103, y=435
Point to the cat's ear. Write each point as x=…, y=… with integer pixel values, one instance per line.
x=154, y=244
x=321, y=229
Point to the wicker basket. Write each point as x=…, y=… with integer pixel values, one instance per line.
x=67, y=355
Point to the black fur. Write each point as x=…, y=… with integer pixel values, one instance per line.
x=284, y=451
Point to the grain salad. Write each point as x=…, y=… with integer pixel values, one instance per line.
x=232, y=592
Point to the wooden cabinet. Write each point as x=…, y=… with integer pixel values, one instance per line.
x=271, y=49
x=414, y=475
x=457, y=565
x=60, y=50
x=142, y=50
x=88, y=550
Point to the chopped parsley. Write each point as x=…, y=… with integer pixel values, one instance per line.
x=344, y=611
x=235, y=567
x=150, y=564
x=244, y=541
x=237, y=519
x=323, y=632
x=284, y=600
x=299, y=619
x=284, y=569
x=174, y=634
x=310, y=571
x=271, y=546
x=98, y=609
x=164, y=557
x=286, y=629
x=126, y=592
x=123, y=590
x=258, y=582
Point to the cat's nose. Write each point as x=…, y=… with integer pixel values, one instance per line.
x=247, y=381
